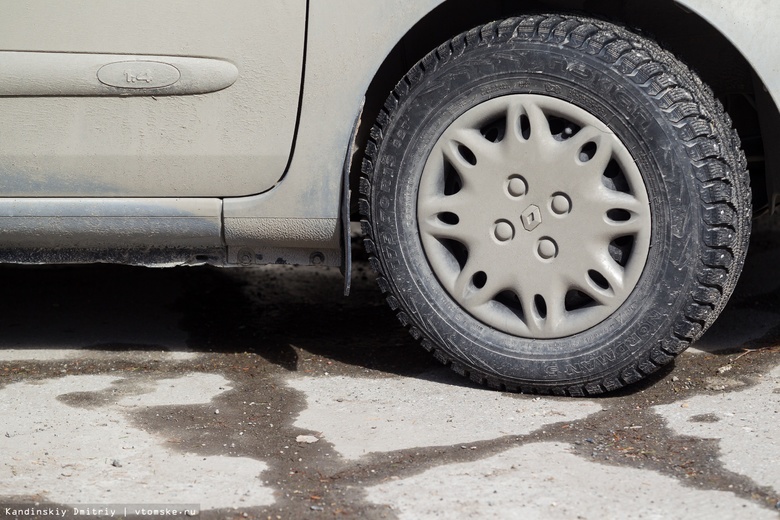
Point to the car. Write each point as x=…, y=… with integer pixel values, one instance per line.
x=556, y=195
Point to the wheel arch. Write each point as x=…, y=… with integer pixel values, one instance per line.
x=692, y=38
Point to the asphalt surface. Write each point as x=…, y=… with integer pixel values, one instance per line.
x=264, y=393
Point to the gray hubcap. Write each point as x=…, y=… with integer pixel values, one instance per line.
x=534, y=216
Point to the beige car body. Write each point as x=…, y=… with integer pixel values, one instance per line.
x=187, y=132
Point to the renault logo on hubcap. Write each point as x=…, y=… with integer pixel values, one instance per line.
x=531, y=218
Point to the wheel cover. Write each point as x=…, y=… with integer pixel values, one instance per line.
x=534, y=216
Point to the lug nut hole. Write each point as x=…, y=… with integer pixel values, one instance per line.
x=561, y=204
x=547, y=249
x=516, y=186
x=503, y=231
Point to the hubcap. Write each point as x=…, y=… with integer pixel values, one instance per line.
x=534, y=216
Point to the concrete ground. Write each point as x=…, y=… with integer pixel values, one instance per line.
x=264, y=393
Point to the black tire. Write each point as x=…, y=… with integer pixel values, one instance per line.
x=682, y=145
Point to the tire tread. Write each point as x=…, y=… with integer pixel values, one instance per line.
x=703, y=126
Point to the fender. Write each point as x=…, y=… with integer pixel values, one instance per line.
x=752, y=29
x=306, y=202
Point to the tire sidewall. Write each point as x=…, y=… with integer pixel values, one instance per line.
x=527, y=67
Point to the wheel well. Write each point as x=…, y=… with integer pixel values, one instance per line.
x=690, y=38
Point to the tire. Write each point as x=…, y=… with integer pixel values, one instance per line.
x=555, y=205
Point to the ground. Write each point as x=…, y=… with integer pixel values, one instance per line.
x=264, y=393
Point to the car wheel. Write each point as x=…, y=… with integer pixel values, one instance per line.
x=555, y=204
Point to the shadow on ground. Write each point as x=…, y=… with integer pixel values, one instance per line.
x=286, y=315
x=277, y=312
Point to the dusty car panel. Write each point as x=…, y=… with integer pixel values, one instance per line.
x=158, y=143
x=347, y=43
x=87, y=224
x=751, y=28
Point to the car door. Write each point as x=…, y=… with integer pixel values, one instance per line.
x=149, y=98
